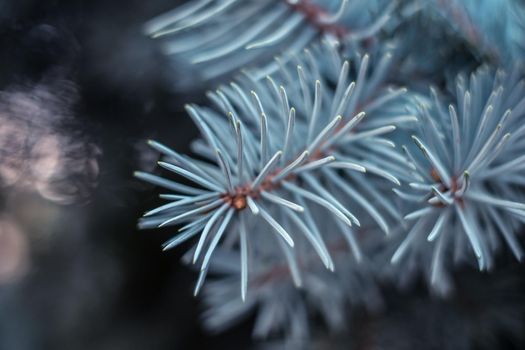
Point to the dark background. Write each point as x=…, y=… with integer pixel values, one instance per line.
x=98, y=282
x=95, y=281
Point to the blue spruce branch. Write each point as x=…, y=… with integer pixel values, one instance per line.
x=217, y=38
x=277, y=154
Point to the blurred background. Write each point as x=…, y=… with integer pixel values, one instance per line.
x=81, y=90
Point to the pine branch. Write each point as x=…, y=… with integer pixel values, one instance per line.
x=217, y=38
x=275, y=156
x=461, y=192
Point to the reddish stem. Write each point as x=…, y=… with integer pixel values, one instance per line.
x=314, y=14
